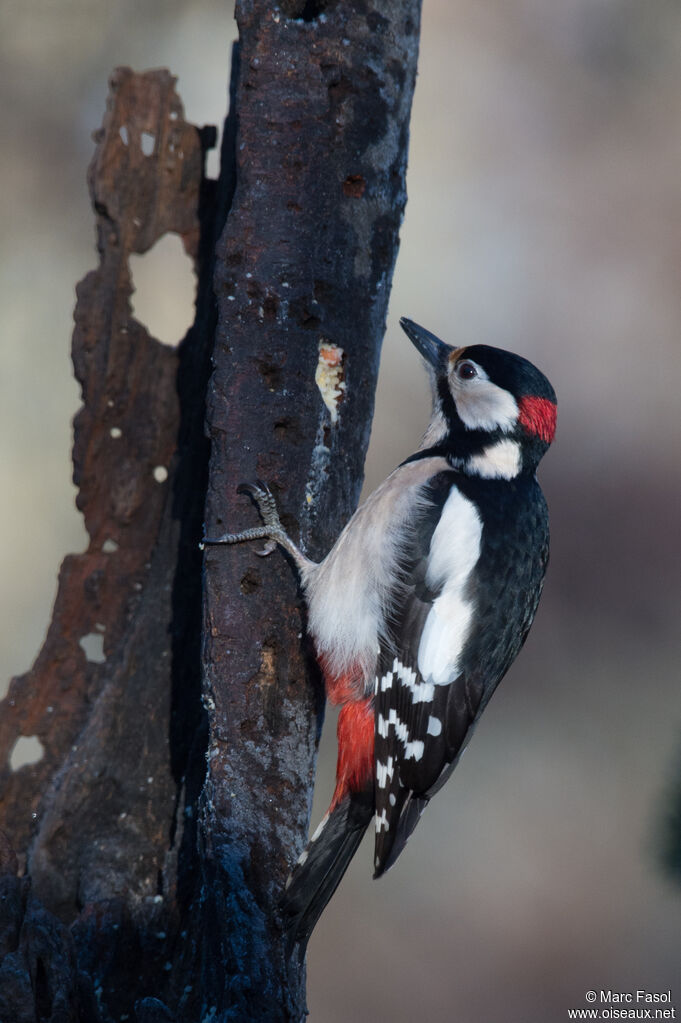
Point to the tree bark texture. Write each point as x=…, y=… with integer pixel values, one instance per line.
x=155, y=835
x=114, y=693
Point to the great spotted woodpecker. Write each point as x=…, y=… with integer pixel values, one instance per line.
x=423, y=603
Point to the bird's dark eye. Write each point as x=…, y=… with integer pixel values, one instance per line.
x=466, y=371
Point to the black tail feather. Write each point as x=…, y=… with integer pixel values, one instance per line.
x=322, y=865
x=390, y=844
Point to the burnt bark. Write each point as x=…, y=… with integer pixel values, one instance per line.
x=154, y=837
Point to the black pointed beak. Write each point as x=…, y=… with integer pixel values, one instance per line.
x=433, y=350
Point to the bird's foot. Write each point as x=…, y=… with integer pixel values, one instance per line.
x=271, y=530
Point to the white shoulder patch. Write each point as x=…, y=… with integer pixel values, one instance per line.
x=499, y=461
x=454, y=552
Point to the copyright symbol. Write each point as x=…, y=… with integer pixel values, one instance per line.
x=591, y=996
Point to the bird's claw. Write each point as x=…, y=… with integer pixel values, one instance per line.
x=270, y=546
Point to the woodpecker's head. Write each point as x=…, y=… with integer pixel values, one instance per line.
x=494, y=413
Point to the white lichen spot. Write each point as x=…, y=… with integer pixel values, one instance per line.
x=160, y=474
x=27, y=750
x=109, y=546
x=329, y=376
x=147, y=142
x=115, y=432
x=123, y=132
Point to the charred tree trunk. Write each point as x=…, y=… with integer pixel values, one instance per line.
x=179, y=732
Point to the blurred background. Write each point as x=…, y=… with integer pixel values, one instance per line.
x=544, y=215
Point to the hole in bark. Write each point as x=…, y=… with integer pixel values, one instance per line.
x=249, y=582
x=354, y=186
x=270, y=306
x=339, y=89
x=269, y=373
x=93, y=646
x=164, y=290
x=43, y=999
x=288, y=429
x=147, y=141
x=376, y=22
x=323, y=291
x=303, y=10
x=312, y=10
x=28, y=749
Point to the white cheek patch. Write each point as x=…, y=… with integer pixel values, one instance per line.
x=499, y=461
x=454, y=552
x=483, y=405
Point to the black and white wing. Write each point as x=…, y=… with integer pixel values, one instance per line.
x=470, y=591
x=425, y=701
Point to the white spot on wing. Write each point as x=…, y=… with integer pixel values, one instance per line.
x=421, y=692
x=499, y=461
x=454, y=552
x=381, y=821
x=434, y=726
x=386, y=681
x=320, y=827
x=384, y=771
x=391, y=799
x=412, y=750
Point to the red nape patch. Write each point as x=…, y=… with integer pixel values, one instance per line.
x=343, y=688
x=355, y=765
x=538, y=416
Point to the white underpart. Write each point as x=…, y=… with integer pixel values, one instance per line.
x=421, y=692
x=348, y=593
x=454, y=552
x=499, y=461
x=483, y=405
